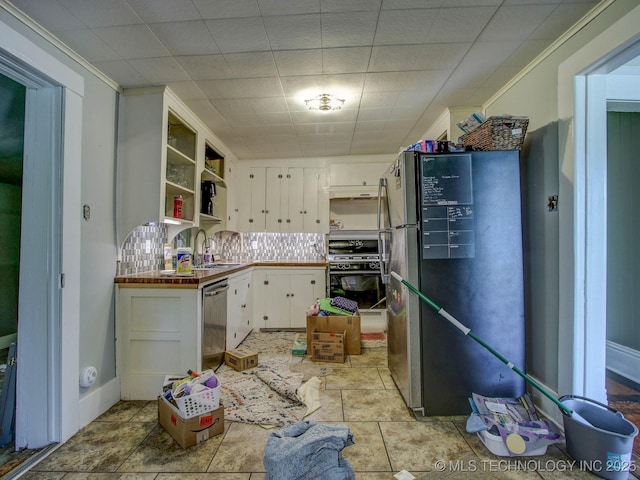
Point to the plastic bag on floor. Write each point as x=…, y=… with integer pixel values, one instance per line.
x=308, y=451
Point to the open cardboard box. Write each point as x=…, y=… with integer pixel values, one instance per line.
x=338, y=323
x=190, y=431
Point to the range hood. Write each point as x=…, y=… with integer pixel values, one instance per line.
x=353, y=192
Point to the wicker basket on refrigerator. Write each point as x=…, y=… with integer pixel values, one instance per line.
x=497, y=133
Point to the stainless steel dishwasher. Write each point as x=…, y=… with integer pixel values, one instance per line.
x=214, y=323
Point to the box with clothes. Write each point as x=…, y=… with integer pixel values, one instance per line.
x=190, y=431
x=327, y=316
x=189, y=407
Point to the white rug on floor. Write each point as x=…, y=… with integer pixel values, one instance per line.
x=268, y=394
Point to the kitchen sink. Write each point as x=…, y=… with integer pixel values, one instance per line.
x=211, y=266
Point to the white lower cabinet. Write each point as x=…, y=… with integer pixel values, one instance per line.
x=157, y=333
x=281, y=295
x=239, y=321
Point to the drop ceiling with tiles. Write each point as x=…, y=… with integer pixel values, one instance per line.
x=246, y=67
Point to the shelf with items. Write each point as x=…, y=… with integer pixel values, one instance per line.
x=212, y=189
x=180, y=173
x=209, y=175
x=187, y=198
x=165, y=151
x=181, y=137
x=213, y=161
x=204, y=218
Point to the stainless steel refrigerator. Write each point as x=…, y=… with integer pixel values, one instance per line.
x=450, y=224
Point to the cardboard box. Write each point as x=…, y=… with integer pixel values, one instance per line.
x=191, y=431
x=241, y=358
x=328, y=346
x=319, y=336
x=338, y=323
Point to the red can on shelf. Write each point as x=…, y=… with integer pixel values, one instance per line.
x=177, y=206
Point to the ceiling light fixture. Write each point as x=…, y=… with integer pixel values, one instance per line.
x=325, y=102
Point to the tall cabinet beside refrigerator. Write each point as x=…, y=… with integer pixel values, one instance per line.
x=450, y=224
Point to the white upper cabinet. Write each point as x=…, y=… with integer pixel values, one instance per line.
x=283, y=199
x=161, y=164
x=354, y=179
x=213, y=189
x=315, y=201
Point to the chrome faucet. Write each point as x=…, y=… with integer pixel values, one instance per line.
x=197, y=257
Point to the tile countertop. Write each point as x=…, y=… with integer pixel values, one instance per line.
x=155, y=279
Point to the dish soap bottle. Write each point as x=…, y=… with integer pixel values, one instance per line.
x=206, y=258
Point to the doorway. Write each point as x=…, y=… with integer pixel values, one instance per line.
x=49, y=288
x=12, y=118
x=31, y=183
x=623, y=229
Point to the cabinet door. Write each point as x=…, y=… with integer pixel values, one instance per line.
x=356, y=174
x=296, y=187
x=278, y=300
x=244, y=289
x=259, y=298
x=156, y=332
x=319, y=283
x=234, y=313
x=256, y=193
x=301, y=288
x=316, y=202
x=276, y=199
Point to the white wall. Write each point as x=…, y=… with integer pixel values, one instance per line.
x=549, y=236
x=96, y=255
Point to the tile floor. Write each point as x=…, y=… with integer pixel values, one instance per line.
x=127, y=443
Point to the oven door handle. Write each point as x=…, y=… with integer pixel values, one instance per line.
x=382, y=246
x=353, y=272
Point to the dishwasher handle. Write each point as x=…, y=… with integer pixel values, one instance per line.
x=216, y=291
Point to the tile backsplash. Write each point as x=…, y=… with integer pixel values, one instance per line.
x=271, y=246
x=142, y=250
x=135, y=258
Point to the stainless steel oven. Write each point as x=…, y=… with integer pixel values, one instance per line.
x=354, y=268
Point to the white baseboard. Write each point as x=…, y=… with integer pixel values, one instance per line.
x=624, y=361
x=99, y=401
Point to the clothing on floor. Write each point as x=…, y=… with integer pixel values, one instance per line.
x=308, y=450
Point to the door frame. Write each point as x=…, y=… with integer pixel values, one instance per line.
x=49, y=303
x=582, y=113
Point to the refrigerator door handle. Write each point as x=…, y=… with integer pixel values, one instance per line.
x=382, y=185
x=384, y=257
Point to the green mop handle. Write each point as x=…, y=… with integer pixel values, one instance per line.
x=467, y=331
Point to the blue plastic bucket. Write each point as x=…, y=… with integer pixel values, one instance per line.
x=604, y=445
